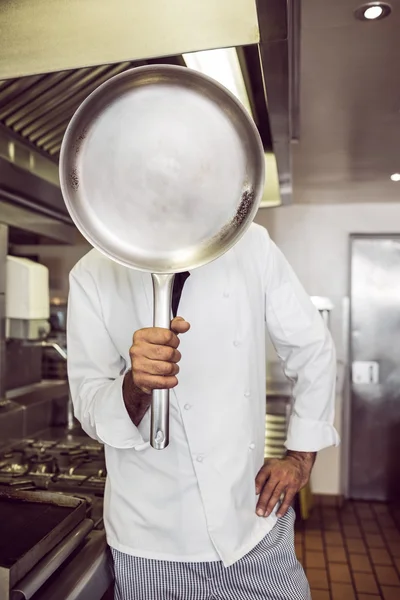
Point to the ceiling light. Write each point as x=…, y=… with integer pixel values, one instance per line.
x=373, y=11
x=223, y=66
x=395, y=177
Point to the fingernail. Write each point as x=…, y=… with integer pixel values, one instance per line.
x=260, y=512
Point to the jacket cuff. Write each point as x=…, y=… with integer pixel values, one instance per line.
x=113, y=424
x=307, y=435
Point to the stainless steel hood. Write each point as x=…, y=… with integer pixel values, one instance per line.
x=36, y=109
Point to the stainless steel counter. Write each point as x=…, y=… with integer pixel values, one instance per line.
x=86, y=576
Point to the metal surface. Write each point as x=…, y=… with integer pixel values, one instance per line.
x=185, y=178
x=279, y=33
x=38, y=108
x=87, y=576
x=29, y=188
x=33, y=205
x=181, y=187
x=69, y=462
x=16, y=563
x=159, y=422
x=375, y=404
x=26, y=155
x=29, y=226
x=3, y=261
x=53, y=36
x=35, y=109
x=34, y=580
x=50, y=344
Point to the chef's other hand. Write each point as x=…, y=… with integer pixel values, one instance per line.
x=286, y=477
x=154, y=356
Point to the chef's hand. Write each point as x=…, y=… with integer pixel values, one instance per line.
x=154, y=356
x=286, y=477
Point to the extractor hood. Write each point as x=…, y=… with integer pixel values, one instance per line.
x=36, y=108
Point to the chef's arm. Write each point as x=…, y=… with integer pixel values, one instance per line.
x=96, y=371
x=137, y=402
x=305, y=347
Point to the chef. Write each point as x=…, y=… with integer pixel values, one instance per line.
x=205, y=518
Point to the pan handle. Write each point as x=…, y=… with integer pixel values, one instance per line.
x=159, y=428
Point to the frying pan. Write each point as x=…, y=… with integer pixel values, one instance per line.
x=162, y=170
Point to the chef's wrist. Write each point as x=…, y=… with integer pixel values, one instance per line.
x=137, y=402
x=306, y=459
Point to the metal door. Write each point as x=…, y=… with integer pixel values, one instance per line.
x=375, y=355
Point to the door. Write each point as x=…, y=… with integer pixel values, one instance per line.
x=375, y=358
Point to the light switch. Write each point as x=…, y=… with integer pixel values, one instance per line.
x=365, y=372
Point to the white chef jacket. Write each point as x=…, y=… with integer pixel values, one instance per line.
x=195, y=500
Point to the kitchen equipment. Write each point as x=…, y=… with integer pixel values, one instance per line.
x=27, y=299
x=32, y=524
x=162, y=170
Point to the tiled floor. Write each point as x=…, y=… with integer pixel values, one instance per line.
x=351, y=553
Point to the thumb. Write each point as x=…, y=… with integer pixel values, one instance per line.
x=179, y=325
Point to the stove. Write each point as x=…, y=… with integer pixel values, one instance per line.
x=72, y=465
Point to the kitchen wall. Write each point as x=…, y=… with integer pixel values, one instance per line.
x=315, y=240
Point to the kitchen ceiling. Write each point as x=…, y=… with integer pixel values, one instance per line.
x=349, y=105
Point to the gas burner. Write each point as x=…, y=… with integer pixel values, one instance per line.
x=43, y=463
x=96, y=480
x=14, y=463
x=66, y=459
x=43, y=444
x=14, y=469
x=66, y=445
x=88, y=467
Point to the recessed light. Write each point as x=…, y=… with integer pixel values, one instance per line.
x=373, y=11
x=395, y=177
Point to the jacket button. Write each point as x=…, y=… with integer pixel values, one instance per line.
x=252, y=446
x=187, y=406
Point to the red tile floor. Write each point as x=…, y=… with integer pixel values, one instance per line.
x=351, y=553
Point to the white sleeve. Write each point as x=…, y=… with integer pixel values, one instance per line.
x=95, y=368
x=305, y=347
